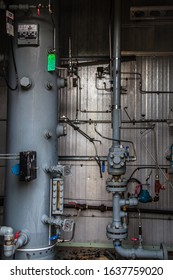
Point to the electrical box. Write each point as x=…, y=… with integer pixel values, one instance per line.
x=28, y=166
x=57, y=195
x=28, y=34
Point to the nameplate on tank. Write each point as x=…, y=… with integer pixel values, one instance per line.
x=28, y=34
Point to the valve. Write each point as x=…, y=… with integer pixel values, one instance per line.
x=55, y=237
x=134, y=239
x=38, y=9
x=158, y=187
x=17, y=234
x=145, y=196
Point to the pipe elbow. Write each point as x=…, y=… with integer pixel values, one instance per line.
x=6, y=231
x=140, y=253
x=126, y=253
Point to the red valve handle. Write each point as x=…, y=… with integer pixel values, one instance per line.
x=38, y=9
x=134, y=239
x=16, y=236
x=38, y=12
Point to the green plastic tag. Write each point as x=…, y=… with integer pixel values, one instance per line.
x=51, y=62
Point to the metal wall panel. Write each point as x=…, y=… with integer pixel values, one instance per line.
x=3, y=115
x=85, y=184
x=87, y=23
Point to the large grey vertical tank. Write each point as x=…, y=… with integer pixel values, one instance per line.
x=32, y=114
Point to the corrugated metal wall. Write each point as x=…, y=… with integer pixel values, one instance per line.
x=85, y=184
x=87, y=23
x=3, y=115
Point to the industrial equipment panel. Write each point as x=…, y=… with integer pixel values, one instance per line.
x=28, y=34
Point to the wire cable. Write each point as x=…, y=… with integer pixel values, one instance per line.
x=15, y=69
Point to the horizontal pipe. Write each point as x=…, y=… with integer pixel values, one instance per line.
x=95, y=60
x=139, y=253
x=133, y=121
x=81, y=158
x=104, y=208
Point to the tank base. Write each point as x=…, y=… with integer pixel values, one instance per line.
x=47, y=253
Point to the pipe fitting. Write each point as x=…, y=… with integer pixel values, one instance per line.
x=8, y=250
x=141, y=253
x=23, y=239
x=51, y=221
x=8, y=247
x=61, y=130
x=48, y=134
x=61, y=82
x=6, y=231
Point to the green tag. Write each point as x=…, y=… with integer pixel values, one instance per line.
x=51, y=62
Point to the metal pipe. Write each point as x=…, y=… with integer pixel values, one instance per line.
x=117, y=230
x=133, y=121
x=6, y=231
x=23, y=239
x=81, y=158
x=104, y=208
x=141, y=253
x=8, y=246
x=116, y=99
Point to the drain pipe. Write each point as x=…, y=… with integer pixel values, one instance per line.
x=10, y=244
x=117, y=230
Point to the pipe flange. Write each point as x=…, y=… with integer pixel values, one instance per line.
x=117, y=183
x=116, y=186
x=116, y=189
x=116, y=236
x=165, y=251
x=116, y=233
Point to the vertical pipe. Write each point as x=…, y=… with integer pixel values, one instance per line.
x=116, y=221
x=116, y=100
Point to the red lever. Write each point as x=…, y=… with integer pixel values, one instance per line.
x=38, y=9
x=16, y=236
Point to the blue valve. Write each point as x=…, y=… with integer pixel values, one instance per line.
x=16, y=169
x=103, y=166
x=144, y=196
x=55, y=237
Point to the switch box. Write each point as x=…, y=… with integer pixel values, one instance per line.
x=28, y=168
